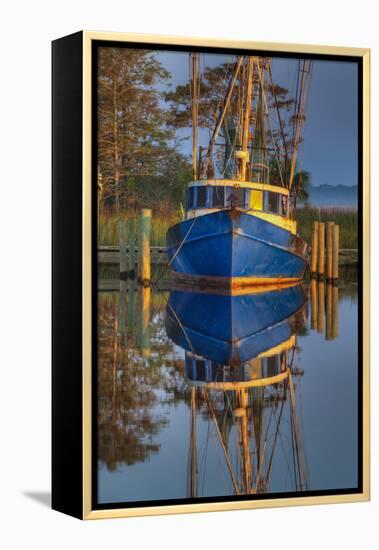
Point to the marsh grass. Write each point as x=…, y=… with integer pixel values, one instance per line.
x=347, y=219
x=109, y=235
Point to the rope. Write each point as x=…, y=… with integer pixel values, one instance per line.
x=182, y=243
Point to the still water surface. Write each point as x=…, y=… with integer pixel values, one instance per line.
x=201, y=394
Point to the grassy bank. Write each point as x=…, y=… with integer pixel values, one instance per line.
x=108, y=228
x=346, y=219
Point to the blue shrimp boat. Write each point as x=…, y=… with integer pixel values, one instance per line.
x=240, y=229
x=236, y=234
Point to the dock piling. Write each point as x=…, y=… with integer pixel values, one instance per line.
x=132, y=250
x=329, y=311
x=314, y=304
x=123, y=258
x=321, y=306
x=335, y=312
x=336, y=249
x=144, y=232
x=314, y=249
x=144, y=297
x=321, y=249
x=329, y=250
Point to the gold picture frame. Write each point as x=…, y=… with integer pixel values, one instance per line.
x=84, y=464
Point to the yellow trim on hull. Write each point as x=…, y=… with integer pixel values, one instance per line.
x=244, y=184
x=275, y=219
x=284, y=346
x=234, y=283
x=233, y=386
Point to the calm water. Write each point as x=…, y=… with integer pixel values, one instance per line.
x=207, y=395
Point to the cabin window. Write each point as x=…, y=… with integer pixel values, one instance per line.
x=190, y=197
x=284, y=202
x=256, y=199
x=218, y=196
x=201, y=197
x=235, y=196
x=272, y=365
x=271, y=202
x=201, y=372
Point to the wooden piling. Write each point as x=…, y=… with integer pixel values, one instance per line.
x=336, y=251
x=314, y=304
x=314, y=249
x=321, y=306
x=144, y=231
x=335, y=311
x=122, y=311
x=123, y=258
x=132, y=250
x=329, y=311
x=321, y=249
x=131, y=308
x=144, y=321
x=329, y=250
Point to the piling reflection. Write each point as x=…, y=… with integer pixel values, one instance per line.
x=324, y=319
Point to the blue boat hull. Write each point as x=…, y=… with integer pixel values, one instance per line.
x=234, y=329
x=232, y=245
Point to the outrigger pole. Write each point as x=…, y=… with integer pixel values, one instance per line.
x=301, y=97
x=195, y=108
x=221, y=117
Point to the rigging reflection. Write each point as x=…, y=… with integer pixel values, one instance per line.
x=240, y=363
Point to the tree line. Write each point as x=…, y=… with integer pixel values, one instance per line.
x=139, y=153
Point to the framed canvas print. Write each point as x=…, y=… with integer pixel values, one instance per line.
x=210, y=275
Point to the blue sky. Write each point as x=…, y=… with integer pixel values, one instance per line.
x=330, y=131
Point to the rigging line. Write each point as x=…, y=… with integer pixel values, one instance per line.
x=164, y=268
x=230, y=408
x=182, y=327
x=259, y=473
x=269, y=124
x=294, y=421
x=285, y=443
x=205, y=460
x=300, y=452
x=295, y=107
x=226, y=72
x=302, y=98
x=222, y=115
x=293, y=446
x=301, y=429
x=278, y=114
x=235, y=485
x=275, y=439
x=263, y=452
x=182, y=243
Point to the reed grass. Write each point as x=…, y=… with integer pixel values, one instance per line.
x=109, y=235
x=347, y=219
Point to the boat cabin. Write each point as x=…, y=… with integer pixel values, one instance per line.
x=265, y=367
x=218, y=194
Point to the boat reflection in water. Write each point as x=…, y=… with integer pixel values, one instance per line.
x=240, y=363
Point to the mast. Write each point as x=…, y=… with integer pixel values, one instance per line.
x=192, y=470
x=195, y=109
x=246, y=126
x=299, y=112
